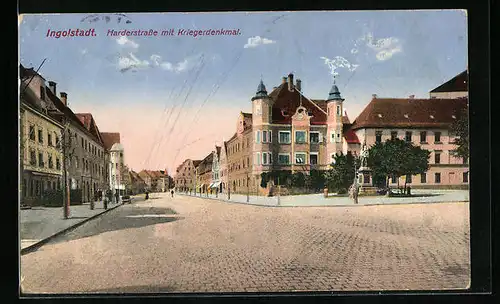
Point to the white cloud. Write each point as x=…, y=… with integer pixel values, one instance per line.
x=131, y=62
x=184, y=65
x=339, y=62
x=385, y=47
x=256, y=41
x=123, y=40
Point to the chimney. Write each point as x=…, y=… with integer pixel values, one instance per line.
x=374, y=96
x=283, y=80
x=52, y=86
x=64, y=98
x=298, y=85
x=411, y=96
x=290, y=82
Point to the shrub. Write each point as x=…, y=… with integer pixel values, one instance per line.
x=342, y=191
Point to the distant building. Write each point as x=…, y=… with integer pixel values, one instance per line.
x=115, y=161
x=185, y=177
x=216, y=184
x=204, y=174
x=137, y=184
x=457, y=87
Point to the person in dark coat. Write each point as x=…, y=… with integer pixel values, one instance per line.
x=172, y=192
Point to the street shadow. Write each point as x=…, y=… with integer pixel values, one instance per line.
x=123, y=218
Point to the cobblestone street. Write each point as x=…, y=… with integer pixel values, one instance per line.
x=186, y=244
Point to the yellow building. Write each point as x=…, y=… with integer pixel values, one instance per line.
x=41, y=157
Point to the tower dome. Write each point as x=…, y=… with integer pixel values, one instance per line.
x=261, y=91
x=334, y=93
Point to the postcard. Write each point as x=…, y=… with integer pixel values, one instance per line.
x=228, y=152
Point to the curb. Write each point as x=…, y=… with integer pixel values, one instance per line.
x=316, y=206
x=34, y=247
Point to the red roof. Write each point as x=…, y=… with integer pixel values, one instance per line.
x=350, y=136
x=410, y=113
x=109, y=139
x=286, y=103
x=89, y=123
x=456, y=84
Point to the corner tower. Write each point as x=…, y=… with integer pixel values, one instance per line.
x=334, y=121
x=261, y=106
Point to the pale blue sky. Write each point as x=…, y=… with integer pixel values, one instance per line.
x=427, y=47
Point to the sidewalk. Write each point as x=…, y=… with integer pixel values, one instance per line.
x=41, y=223
x=316, y=200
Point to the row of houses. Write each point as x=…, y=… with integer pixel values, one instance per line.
x=289, y=131
x=54, y=140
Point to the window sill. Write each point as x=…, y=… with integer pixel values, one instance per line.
x=438, y=142
x=424, y=143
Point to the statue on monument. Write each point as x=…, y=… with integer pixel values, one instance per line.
x=364, y=155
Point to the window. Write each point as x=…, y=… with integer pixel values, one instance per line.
x=300, y=158
x=394, y=179
x=423, y=178
x=257, y=158
x=314, y=137
x=466, y=177
x=49, y=139
x=42, y=92
x=423, y=137
x=437, y=178
x=83, y=143
x=408, y=136
x=332, y=137
x=313, y=158
x=284, y=159
x=284, y=137
x=338, y=110
x=32, y=132
x=264, y=158
x=264, y=136
x=32, y=157
x=437, y=137
x=437, y=157
x=40, y=160
x=300, y=137
x=51, y=164
x=378, y=136
x=270, y=137
x=257, y=137
x=40, y=136
x=394, y=135
x=464, y=160
x=408, y=178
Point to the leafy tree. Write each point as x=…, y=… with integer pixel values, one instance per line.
x=397, y=158
x=341, y=175
x=298, y=180
x=461, y=130
x=317, y=179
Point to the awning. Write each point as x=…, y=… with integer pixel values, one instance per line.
x=215, y=185
x=44, y=174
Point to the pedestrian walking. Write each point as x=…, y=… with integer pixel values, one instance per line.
x=172, y=192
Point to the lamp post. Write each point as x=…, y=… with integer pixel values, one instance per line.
x=355, y=184
x=248, y=189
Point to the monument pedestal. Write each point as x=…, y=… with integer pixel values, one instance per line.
x=365, y=181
